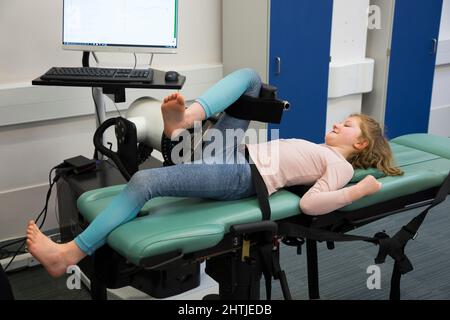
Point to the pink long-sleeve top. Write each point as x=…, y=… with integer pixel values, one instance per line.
x=289, y=162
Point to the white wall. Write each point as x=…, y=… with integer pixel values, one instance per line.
x=246, y=26
x=30, y=44
x=440, y=103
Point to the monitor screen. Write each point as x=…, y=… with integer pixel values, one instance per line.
x=121, y=25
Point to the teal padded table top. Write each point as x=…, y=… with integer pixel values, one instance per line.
x=187, y=225
x=166, y=224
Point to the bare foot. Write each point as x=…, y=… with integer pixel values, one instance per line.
x=53, y=256
x=369, y=185
x=173, y=112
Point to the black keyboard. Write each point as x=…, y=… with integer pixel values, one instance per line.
x=98, y=74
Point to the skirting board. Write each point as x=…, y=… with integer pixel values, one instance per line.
x=21, y=261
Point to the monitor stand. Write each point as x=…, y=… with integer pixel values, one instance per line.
x=99, y=101
x=115, y=94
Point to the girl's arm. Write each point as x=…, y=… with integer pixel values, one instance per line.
x=328, y=194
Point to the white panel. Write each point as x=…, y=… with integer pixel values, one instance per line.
x=440, y=103
x=350, y=78
x=439, y=121
x=441, y=85
x=443, y=54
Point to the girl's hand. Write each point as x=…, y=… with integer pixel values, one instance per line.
x=369, y=185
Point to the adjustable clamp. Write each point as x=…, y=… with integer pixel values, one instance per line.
x=265, y=108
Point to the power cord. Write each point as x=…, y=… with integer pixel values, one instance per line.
x=62, y=170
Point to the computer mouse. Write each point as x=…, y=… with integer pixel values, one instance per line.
x=171, y=76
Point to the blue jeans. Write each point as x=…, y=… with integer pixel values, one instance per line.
x=227, y=181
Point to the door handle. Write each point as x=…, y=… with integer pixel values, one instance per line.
x=277, y=66
x=435, y=46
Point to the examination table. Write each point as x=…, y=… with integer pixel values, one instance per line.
x=171, y=236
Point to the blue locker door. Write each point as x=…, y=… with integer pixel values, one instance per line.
x=300, y=37
x=412, y=65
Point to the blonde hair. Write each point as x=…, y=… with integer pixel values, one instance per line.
x=378, y=153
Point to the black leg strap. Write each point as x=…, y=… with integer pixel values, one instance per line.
x=270, y=255
x=395, y=283
x=260, y=188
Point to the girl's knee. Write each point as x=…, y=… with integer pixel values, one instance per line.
x=251, y=75
x=142, y=184
x=139, y=179
x=254, y=81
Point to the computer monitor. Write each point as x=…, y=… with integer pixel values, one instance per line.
x=149, y=26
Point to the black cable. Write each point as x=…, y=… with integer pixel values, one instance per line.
x=98, y=120
x=15, y=255
x=42, y=213
x=135, y=60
